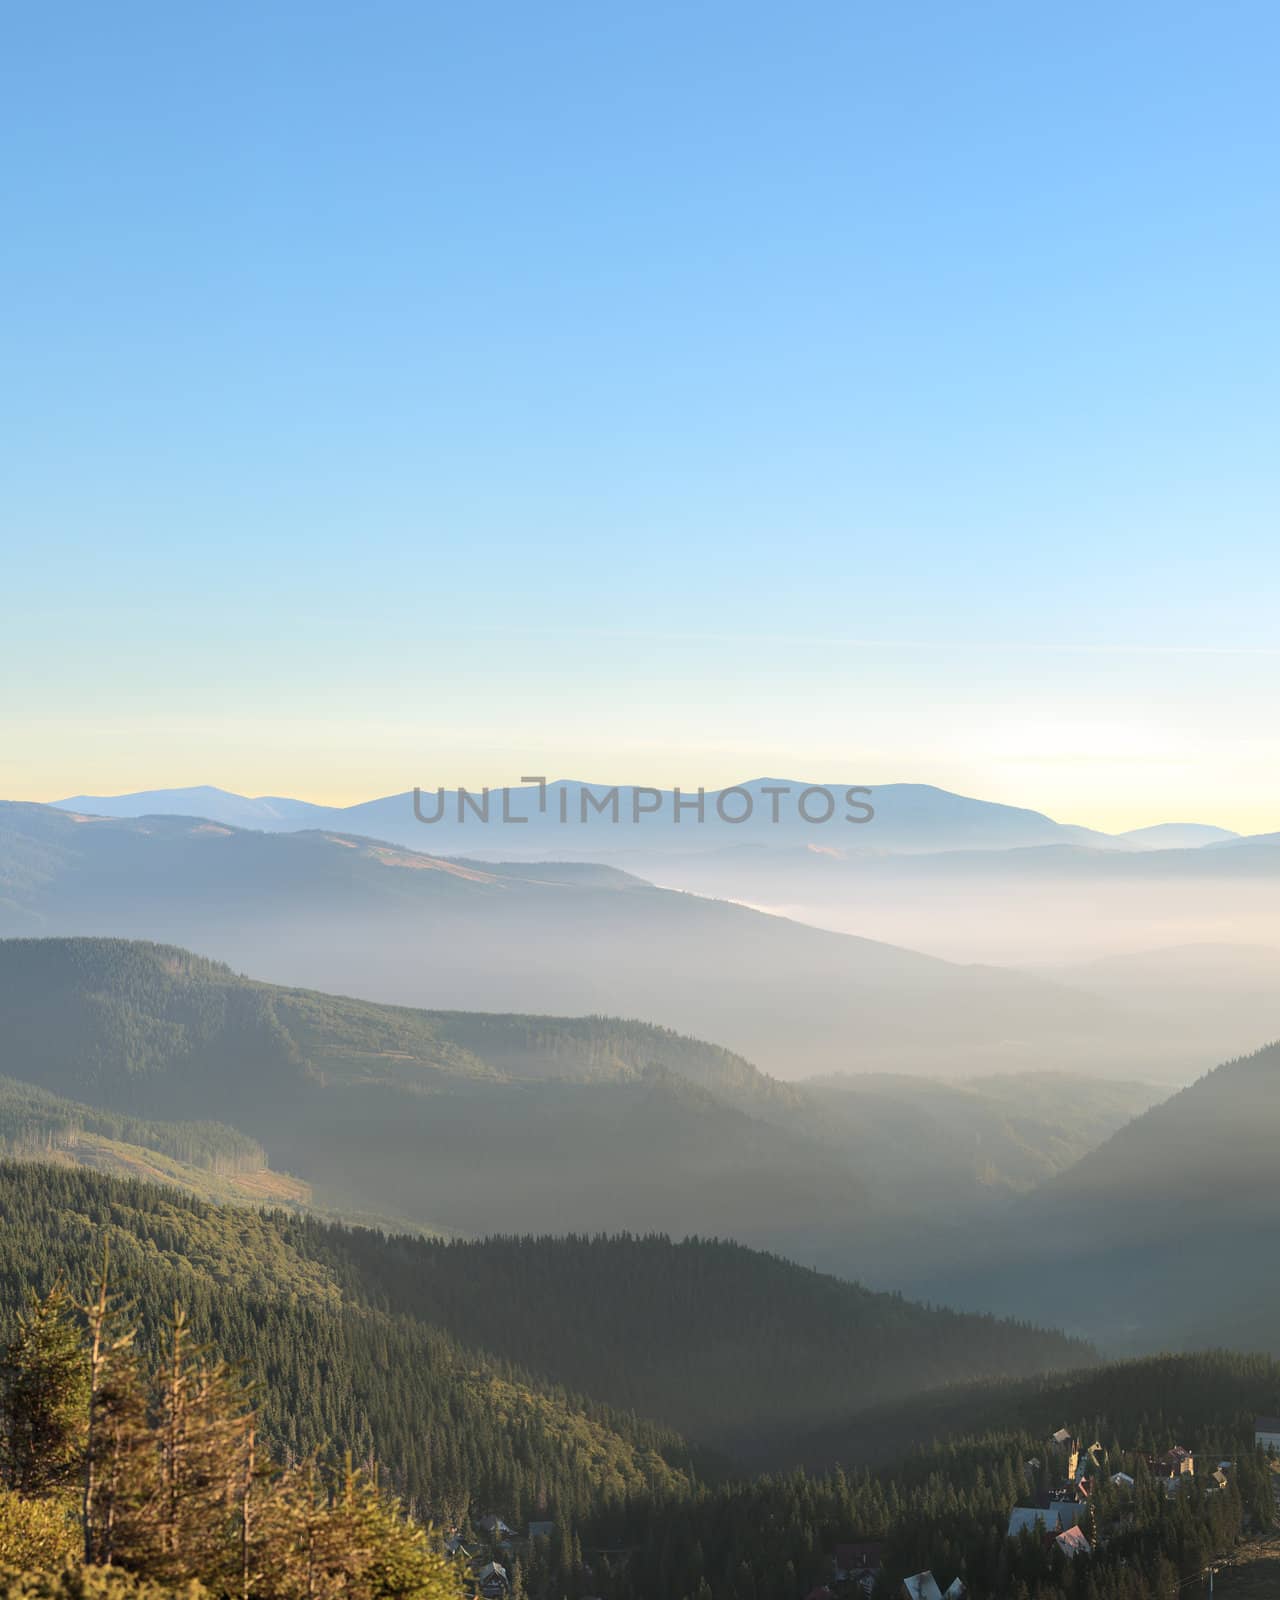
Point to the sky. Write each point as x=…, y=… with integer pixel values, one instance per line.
x=411, y=393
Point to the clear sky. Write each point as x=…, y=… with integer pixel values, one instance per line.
x=433, y=393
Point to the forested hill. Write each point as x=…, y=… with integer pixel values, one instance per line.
x=350, y=914
x=730, y=1345
x=478, y=1123
x=451, y=1428
x=717, y=1341
x=633, y=1513
x=1160, y=1238
x=123, y=1021
x=208, y=1159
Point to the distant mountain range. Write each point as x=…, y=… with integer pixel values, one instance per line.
x=473, y=1123
x=348, y=914
x=1050, y=894
x=909, y=817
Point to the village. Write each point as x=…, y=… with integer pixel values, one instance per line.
x=1077, y=1497
x=1061, y=1510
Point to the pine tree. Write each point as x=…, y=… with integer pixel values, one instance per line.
x=45, y=1391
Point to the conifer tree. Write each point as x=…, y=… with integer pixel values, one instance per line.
x=45, y=1391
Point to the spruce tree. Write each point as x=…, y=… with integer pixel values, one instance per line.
x=45, y=1391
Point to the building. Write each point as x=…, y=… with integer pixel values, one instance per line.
x=1056, y=1517
x=924, y=1586
x=1176, y=1463
x=493, y=1582
x=1073, y=1543
x=494, y=1527
x=859, y=1563
x=1122, y=1480
x=1266, y=1433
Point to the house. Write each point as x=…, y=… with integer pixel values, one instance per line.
x=1063, y=1438
x=494, y=1527
x=958, y=1590
x=541, y=1530
x=1073, y=1543
x=924, y=1586
x=1175, y=1463
x=493, y=1581
x=1055, y=1517
x=1266, y=1433
x=1122, y=1480
x=859, y=1563
x=453, y=1546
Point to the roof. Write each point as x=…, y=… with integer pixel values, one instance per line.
x=1053, y=1518
x=493, y=1570
x=957, y=1591
x=1073, y=1543
x=923, y=1586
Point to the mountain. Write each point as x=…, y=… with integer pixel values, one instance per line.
x=1161, y=1238
x=338, y=912
x=720, y=1341
x=937, y=1147
x=471, y=1123
x=204, y=800
x=568, y=820
x=1176, y=836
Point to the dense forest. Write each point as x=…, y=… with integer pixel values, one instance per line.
x=630, y=1509
x=729, y=1345
x=721, y=1343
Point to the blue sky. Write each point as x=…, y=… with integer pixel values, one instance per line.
x=671, y=393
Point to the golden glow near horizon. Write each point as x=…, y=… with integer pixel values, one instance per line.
x=1115, y=781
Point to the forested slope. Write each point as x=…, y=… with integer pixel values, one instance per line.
x=480, y=1123
x=729, y=1345
x=449, y=1427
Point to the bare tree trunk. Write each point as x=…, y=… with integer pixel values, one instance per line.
x=97, y=1355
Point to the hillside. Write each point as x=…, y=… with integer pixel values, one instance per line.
x=1158, y=1239
x=631, y=1510
x=206, y=1159
x=476, y=1123
x=732, y=1347
x=713, y=1338
x=449, y=1426
x=345, y=913
x=1206, y=1400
